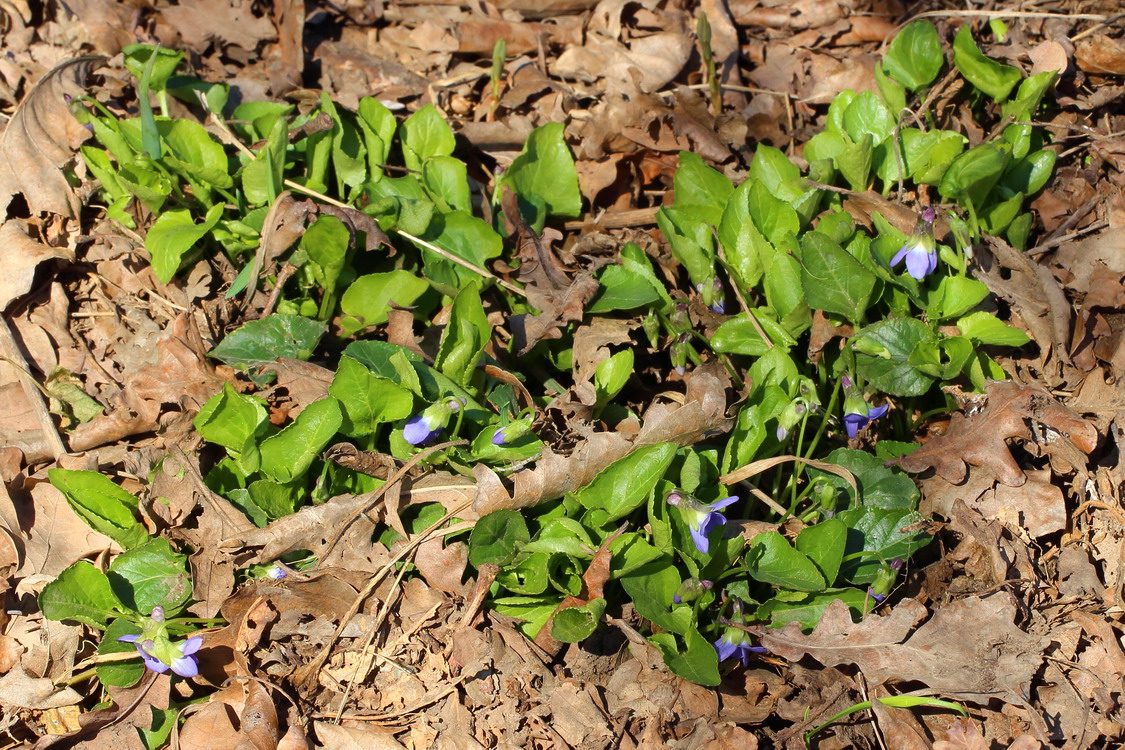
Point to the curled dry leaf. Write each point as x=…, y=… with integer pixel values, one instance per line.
x=999, y=661
x=1101, y=54
x=41, y=137
x=20, y=256
x=980, y=439
x=702, y=413
x=1032, y=291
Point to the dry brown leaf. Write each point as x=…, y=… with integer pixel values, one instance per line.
x=18, y=690
x=1032, y=291
x=964, y=734
x=41, y=137
x=232, y=21
x=336, y=737
x=20, y=256
x=49, y=533
x=980, y=440
x=1101, y=54
x=558, y=292
x=999, y=661
x=241, y=716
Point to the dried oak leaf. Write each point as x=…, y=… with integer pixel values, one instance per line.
x=559, y=293
x=999, y=661
x=41, y=137
x=980, y=439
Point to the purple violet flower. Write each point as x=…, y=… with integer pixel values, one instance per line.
x=857, y=412
x=422, y=428
x=919, y=250
x=159, y=653
x=277, y=573
x=701, y=518
x=735, y=642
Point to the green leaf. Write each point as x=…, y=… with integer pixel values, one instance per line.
x=992, y=77
x=893, y=92
x=877, y=536
x=697, y=183
x=425, y=134
x=625, y=484
x=173, y=235
x=378, y=125
x=772, y=559
x=465, y=236
x=1031, y=173
x=326, y=243
x=103, y=505
x=824, y=545
x=879, y=486
x=739, y=335
x=367, y=399
x=368, y=299
x=349, y=154
x=447, y=181
x=868, y=115
x=914, y=57
x=986, y=328
x=528, y=576
x=697, y=662
x=955, y=296
x=575, y=624
x=929, y=154
x=855, y=162
x=892, y=373
x=775, y=218
x=612, y=373
x=622, y=289
x=464, y=338
x=262, y=178
x=262, y=341
x=807, y=609
x=833, y=280
x=194, y=153
x=234, y=421
x=151, y=575
x=651, y=588
x=119, y=673
x=544, y=172
x=81, y=593
x=272, y=499
x=773, y=169
x=287, y=455
x=497, y=537
x=136, y=58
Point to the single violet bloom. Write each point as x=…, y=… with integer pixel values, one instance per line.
x=159, y=653
x=422, y=428
x=277, y=573
x=919, y=251
x=857, y=412
x=855, y=421
x=510, y=432
x=701, y=518
x=736, y=643
x=691, y=589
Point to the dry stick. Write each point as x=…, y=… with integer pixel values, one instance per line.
x=316, y=664
x=32, y=391
x=377, y=495
x=1092, y=29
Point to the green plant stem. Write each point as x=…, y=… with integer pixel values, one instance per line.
x=798, y=465
x=828, y=412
